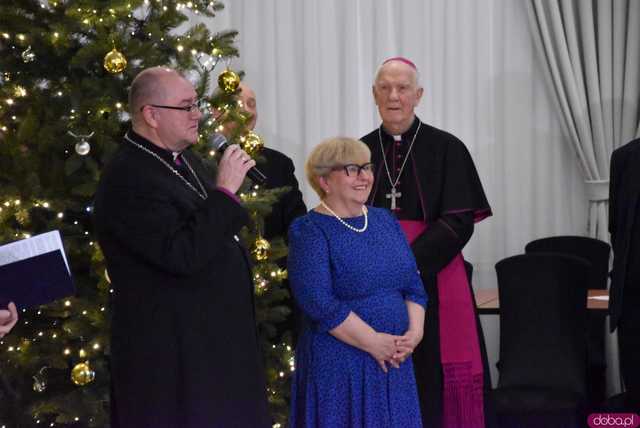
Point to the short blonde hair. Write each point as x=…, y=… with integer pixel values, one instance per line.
x=331, y=153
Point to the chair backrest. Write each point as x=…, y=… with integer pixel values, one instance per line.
x=542, y=321
x=592, y=250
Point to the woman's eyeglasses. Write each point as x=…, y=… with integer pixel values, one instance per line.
x=353, y=169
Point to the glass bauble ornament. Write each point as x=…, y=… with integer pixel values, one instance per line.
x=82, y=374
x=252, y=144
x=83, y=147
x=115, y=62
x=228, y=81
x=260, y=249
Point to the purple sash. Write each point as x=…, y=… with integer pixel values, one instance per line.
x=459, y=344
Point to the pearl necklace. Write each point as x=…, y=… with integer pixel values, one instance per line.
x=355, y=229
x=202, y=195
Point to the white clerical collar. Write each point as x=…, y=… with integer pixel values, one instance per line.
x=175, y=155
x=397, y=137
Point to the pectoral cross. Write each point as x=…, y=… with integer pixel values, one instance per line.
x=393, y=196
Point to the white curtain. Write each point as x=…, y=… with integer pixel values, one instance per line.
x=590, y=49
x=311, y=64
x=590, y=53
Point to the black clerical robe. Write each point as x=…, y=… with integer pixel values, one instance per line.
x=624, y=226
x=184, y=350
x=439, y=185
x=279, y=170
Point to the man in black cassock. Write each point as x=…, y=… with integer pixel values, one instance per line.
x=280, y=172
x=427, y=178
x=624, y=226
x=184, y=351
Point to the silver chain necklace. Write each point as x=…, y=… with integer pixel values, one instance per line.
x=204, y=195
x=394, y=194
x=355, y=229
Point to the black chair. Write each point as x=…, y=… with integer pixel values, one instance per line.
x=489, y=412
x=597, y=253
x=468, y=267
x=592, y=250
x=543, y=350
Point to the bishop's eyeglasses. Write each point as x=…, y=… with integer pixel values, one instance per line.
x=354, y=169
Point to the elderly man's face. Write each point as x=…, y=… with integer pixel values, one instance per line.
x=248, y=98
x=178, y=129
x=396, y=94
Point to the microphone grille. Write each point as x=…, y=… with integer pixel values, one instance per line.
x=217, y=140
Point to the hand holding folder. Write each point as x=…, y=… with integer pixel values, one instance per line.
x=8, y=319
x=34, y=271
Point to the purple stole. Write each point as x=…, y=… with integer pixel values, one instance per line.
x=459, y=345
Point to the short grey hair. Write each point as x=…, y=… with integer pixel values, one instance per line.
x=333, y=152
x=415, y=71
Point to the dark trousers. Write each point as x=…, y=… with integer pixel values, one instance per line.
x=629, y=342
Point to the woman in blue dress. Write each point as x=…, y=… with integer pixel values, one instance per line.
x=353, y=275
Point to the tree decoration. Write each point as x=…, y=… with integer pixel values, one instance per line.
x=260, y=249
x=228, y=81
x=82, y=147
x=40, y=381
x=19, y=91
x=82, y=374
x=28, y=55
x=115, y=62
x=252, y=143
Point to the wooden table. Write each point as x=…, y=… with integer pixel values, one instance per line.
x=488, y=302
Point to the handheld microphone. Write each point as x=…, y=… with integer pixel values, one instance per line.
x=219, y=142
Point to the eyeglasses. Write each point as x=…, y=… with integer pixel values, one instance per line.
x=198, y=105
x=354, y=169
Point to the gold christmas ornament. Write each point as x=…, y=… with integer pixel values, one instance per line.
x=115, y=62
x=22, y=215
x=82, y=374
x=260, y=249
x=252, y=144
x=282, y=274
x=19, y=91
x=228, y=81
x=260, y=285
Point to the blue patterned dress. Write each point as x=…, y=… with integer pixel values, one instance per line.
x=333, y=271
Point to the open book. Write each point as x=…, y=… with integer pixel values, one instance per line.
x=34, y=271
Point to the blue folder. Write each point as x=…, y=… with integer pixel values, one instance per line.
x=35, y=281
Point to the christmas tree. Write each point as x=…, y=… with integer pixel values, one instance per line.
x=65, y=69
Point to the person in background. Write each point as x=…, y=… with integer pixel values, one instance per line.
x=624, y=226
x=280, y=172
x=427, y=178
x=354, y=277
